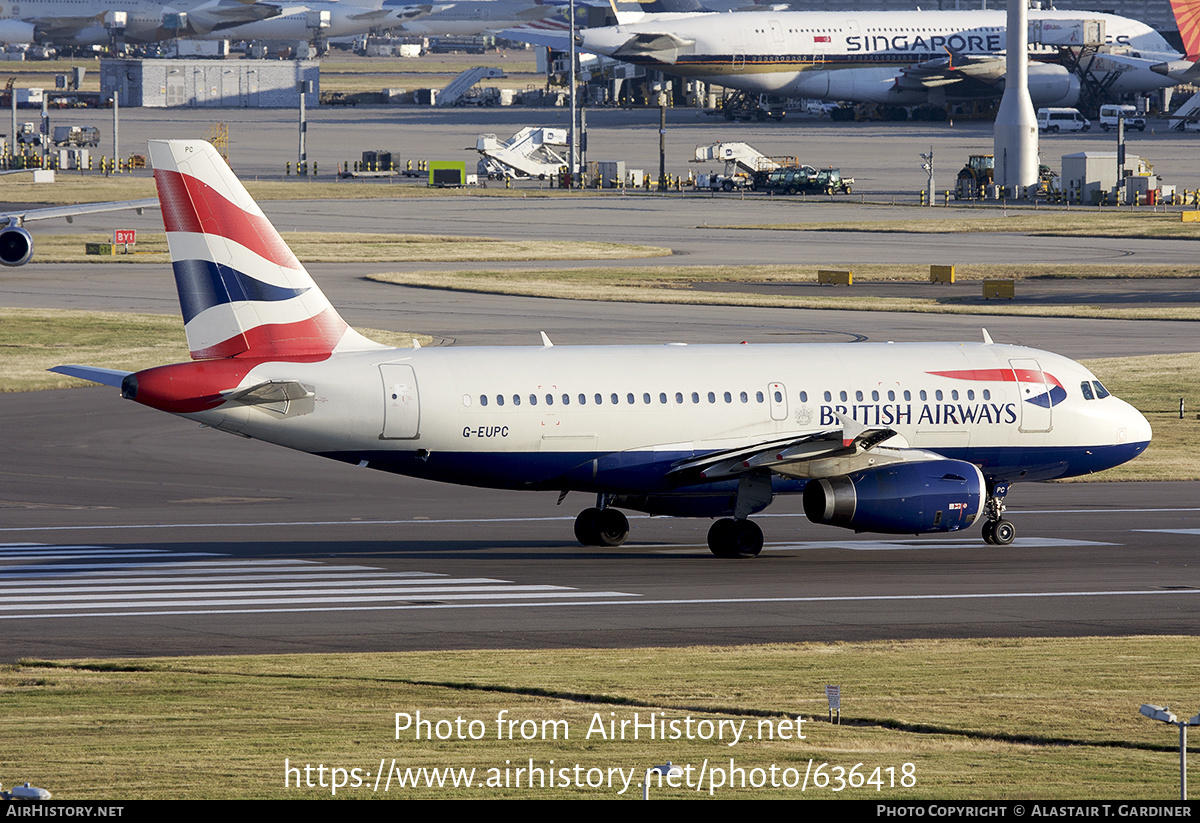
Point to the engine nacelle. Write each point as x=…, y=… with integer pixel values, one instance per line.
x=16, y=31
x=1052, y=85
x=16, y=246
x=903, y=498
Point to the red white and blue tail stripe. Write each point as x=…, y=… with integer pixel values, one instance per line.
x=242, y=291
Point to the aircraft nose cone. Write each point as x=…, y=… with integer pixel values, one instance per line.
x=1133, y=427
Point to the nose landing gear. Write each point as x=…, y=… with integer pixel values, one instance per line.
x=997, y=531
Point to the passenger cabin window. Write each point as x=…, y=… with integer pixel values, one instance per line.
x=483, y=399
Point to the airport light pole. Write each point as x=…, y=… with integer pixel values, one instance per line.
x=574, y=132
x=1165, y=715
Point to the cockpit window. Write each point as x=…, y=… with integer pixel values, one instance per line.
x=1086, y=388
x=1101, y=392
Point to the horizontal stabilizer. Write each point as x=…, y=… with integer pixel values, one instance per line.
x=105, y=377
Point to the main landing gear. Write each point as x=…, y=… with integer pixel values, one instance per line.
x=997, y=531
x=735, y=538
x=601, y=526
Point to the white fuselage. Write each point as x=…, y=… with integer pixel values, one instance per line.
x=858, y=56
x=616, y=418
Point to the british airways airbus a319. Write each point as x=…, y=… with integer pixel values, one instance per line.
x=891, y=438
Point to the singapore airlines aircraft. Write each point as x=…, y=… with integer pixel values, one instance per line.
x=904, y=438
x=900, y=58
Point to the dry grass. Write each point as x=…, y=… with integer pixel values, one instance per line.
x=1112, y=222
x=348, y=247
x=969, y=714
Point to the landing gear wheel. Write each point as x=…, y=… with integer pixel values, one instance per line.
x=612, y=528
x=1003, y=532
x=601, y=527
x=735, y=538
x=989, y=532
x=587, y=530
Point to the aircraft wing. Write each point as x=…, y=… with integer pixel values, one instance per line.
x=68, y=212
x=662, y=47
x=832, y=451
x=393, y=15
x=952, y=69
x=549, y=33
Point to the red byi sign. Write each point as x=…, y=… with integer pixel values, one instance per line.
x=127, y=237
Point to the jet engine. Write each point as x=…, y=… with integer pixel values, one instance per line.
x=902, y=498
x=16, y=246
x=16, y=31
x=1052, y=85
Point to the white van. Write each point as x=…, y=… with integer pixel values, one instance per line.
x=1109, y=115
x=1056, y=120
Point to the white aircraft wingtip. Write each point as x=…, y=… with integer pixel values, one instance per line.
x=987, y=338
x=546, y=341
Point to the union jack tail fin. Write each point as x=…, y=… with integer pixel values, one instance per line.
x=1187, y=16
x=242, y=291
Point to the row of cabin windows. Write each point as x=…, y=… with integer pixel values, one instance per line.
x=697, y=398
x=860, y=396
x=630, y=398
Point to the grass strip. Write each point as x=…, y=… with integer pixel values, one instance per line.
x=978, y=719
x=1113, y=223
x=351, y=247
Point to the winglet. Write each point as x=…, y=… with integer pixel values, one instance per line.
x=987, y=338
x=546, y=341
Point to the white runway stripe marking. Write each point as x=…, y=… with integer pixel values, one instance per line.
x=160, y=585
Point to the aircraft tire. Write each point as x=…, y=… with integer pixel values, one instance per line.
x=612, y=528
x=1003, y=532
x=989, y=532
x=587, y=527
x=749, y=538
x=720, y=538
x=735, y=538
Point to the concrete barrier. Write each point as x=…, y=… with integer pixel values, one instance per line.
x=835, y=277
x=999, y=289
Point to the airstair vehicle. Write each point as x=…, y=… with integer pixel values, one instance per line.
x=457, y=88
x=531, y=152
